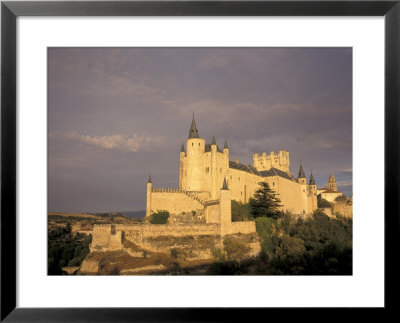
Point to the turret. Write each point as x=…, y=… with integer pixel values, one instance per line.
x=194, y=160
x=148, y=196
x=312, y=180
x=226, y=154
x=225, y=205
x=214, y=193
x=313, y=193
x=302, y=176
x=182, y=167
x=332, y=182
x=193, y=132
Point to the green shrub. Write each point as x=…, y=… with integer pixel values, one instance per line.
x=174, y=253
x=235, y=249
x=240, y=211
x=193, y=212
x=218, y=254
x=161, y=217
x=264, y=228
x=322, y=203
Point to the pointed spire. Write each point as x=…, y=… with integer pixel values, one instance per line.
x=149, y=180
x=226, y=144
x=312, y=180
x=193, y=132
x=225, y=185
x=301, y=172
x=182, y=148
x=213, y=141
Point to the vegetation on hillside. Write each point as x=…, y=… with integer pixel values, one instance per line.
x=240, y=211
x=160, y=217
x=322, y=203
x=318, y=245
x=66, y=249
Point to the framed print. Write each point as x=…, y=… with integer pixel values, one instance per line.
x=160, y=160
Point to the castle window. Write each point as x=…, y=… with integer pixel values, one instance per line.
x=207, y=170
x=199, y=144
x=192, y=144
x=220, y=170
x=273, y=183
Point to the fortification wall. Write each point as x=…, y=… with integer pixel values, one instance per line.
x=211, y=213
x=344, y=209
x=174, y=201
x=242, y=184
x=110, y=237
x=244, y=227
x=292, y=195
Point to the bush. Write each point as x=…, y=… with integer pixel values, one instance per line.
x=240, y=211
x=264, y=228
x=161, y=217
x=322, y=203
x=174, y=253
x=341, y=199
x=235, y=249
x=193, y=212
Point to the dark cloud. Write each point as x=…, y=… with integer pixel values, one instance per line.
x=116, y=114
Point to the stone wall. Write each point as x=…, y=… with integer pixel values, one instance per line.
x=175, y=201
x=111, y=237
x=344, y=209
x=244, y=227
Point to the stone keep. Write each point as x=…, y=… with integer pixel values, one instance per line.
x=203, y=168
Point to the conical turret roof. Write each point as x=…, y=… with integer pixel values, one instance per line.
x=213, y=142
x=226, y=145
x=182, y=148
x=225, y=185
x=312, y=180
x=301, y=172
x=149, y=180
x=193, y=132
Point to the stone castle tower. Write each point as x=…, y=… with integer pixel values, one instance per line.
x=332, y=182
x=205, y=168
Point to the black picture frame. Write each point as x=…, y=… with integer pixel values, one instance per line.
x=10, y=10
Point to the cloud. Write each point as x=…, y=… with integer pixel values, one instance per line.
x=347, y=171
x=117, y=142
x=345, y=183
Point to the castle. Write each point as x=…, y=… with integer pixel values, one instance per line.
x=201, y=207
x=205, y=168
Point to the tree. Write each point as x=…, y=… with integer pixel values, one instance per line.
x=322, y=203
x=265, y=203
x=341, y=199
x=240, y=211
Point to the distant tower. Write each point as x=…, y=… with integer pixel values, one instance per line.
x=332, y=182
x=148, y=197
x=302, y=176
x=195, y=147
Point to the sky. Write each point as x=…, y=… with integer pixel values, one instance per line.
x=117, y=114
